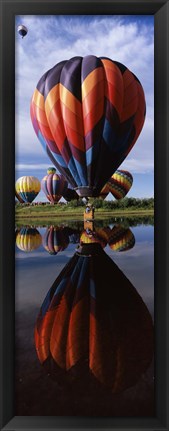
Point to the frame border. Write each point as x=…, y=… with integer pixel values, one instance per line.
x=8, y=10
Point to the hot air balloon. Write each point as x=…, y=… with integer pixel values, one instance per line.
x=28, y=239
x=22, y=30
x=53, y=185
x=93, y=325
x=27, y=188
x=121, y=238
x=120, y=183
x=55, y=239
x=88, y=113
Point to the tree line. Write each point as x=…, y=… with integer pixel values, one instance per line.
x=145, y=203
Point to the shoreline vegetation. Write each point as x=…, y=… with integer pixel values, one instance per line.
x=44, y=211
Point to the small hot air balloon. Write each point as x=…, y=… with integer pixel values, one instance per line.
x=120, y=183
x=28, y=239
x=55, y=239
x=87, y=113
x=22, y=30
x=93, y=325
x=27, y=188
x=121, y=239
x=53, y=185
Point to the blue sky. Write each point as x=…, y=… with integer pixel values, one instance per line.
x=50, y=39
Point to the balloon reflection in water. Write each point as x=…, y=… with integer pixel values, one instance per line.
x=121, y=238
x=93, y=326
x=28, y=239
x=55, y=239
x=98, y=235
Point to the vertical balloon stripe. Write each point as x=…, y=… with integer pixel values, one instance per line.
x=114, y=88
x=77, y=345
x=55, y=116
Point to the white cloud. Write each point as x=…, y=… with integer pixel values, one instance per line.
x=28, y=166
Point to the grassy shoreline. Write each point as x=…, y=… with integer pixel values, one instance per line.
x=35, y=214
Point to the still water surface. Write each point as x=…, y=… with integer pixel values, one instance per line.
x=41, y=391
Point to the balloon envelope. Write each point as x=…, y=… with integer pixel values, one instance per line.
x=93, y=324
x=120, y=183
x=88, y=113
x=27, y=188
x=22, y=30
x=54, y=185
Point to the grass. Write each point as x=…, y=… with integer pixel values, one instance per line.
x=41, y=214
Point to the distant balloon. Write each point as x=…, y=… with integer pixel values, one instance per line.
x=121, y=238
x=53, y=185
x=93, y=325
x=88, y=113
x=120, y=183
x=55, y=239
x=22, y=30
x=27, y=188
x=28, y=239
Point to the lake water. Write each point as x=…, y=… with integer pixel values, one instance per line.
x=102, y=360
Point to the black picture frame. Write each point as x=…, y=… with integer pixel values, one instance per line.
x=160, y=10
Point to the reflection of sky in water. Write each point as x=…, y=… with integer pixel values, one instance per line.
x=37, y=270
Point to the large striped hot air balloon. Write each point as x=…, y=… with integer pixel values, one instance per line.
x=28, y=239
x=53, y=185
x=27, y=188
x=88, y=113
x=94, y=325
